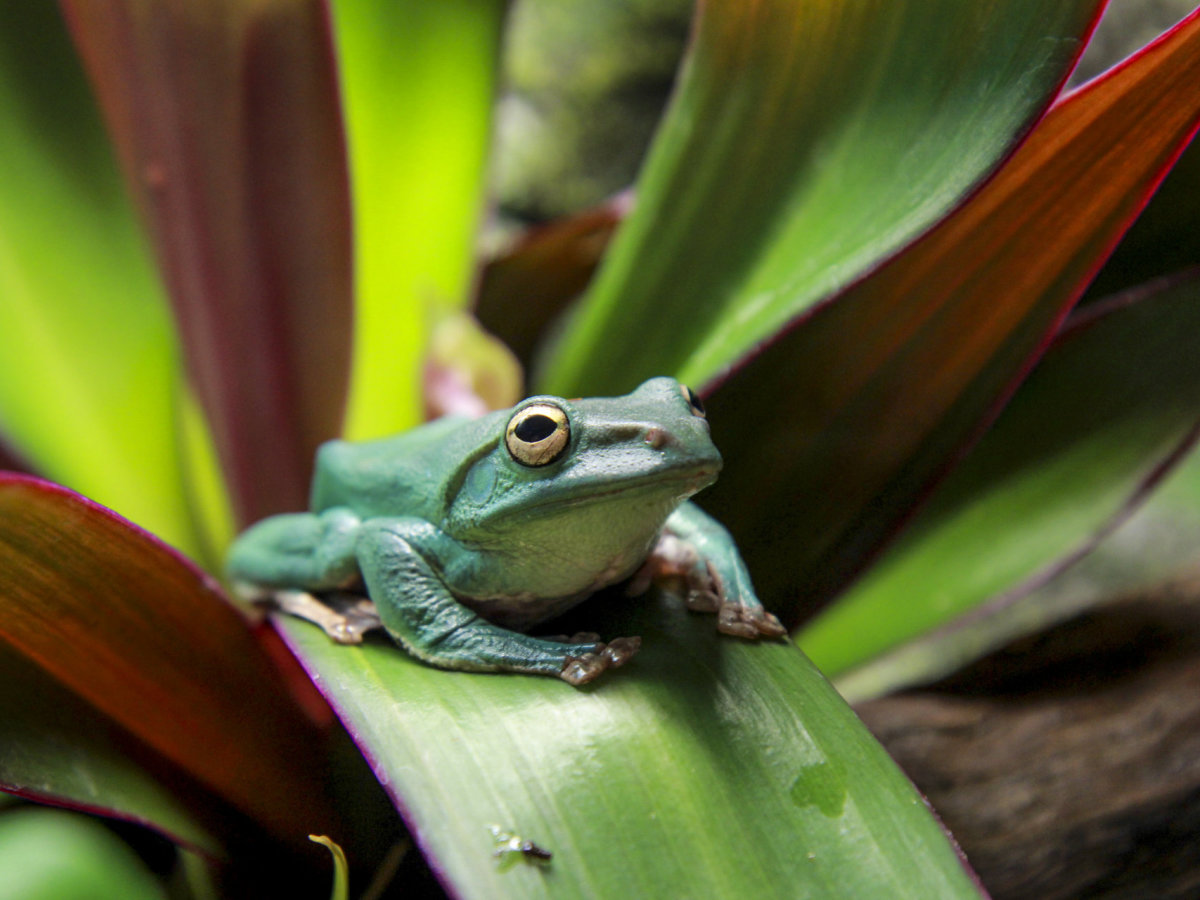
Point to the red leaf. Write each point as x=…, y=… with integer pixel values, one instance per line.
x=132, y=628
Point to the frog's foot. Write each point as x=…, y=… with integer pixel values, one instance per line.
x=676, y=566
x=749, y=622
x=579, y=670
x=344, y=617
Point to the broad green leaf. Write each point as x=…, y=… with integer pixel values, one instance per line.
x=1107, y=408
x=805, y=144
x=705, y=768
x=833, y=433
x=226, y=117
x=56, y=748
x=87, y=367
x=145, y=638
x=419, y=79
x=51, y=855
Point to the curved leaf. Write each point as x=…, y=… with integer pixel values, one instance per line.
x=87, y=368
x=706, y=767
x=419, y=78
x=1165, y=238
x=873, y=397
x=132, y=629
x=226, y=117
x=1083, y=439
x=1152, y=551
x=527, y=286
x=55, y=748
x=806, y=143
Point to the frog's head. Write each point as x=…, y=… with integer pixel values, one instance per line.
x=593, y=464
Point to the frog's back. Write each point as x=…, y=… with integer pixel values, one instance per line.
x=404, y=475
x=408, y=474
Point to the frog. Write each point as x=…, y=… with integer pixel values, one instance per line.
x=465, y=533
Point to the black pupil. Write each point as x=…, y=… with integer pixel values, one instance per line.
x=694, y=400
x=535, y=428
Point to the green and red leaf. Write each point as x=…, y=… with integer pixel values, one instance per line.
x=1112, y=406
x=874, y=396
x=526, y=287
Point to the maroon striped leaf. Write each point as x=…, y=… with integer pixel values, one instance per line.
x=227, y=120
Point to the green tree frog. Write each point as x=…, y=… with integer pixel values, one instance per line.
x=466, y=532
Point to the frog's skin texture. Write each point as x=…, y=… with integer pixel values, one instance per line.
x=465, y=529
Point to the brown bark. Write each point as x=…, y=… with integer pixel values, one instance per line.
x=1068, y=765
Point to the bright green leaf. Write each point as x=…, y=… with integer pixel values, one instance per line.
x=806, y=143
x=418, y=78
x=87, y=367
x=1154, y=550
x=1109, y=405
x=706, y=767
x=51, y=855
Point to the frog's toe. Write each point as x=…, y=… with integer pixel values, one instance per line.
x=702, y=600
x=581, y=669
x=621, y=650
x=748, y=622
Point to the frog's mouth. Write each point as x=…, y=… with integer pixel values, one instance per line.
x=679, y=483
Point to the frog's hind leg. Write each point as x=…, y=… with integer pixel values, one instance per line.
x=298, y=550
x=420, y=613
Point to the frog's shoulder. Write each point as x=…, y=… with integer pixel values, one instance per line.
x=405, y=474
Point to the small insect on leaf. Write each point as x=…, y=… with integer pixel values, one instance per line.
x=510, y=847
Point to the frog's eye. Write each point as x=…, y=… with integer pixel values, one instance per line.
x=537, y=435
x=693, y=401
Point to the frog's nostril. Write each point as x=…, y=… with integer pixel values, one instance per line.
x=656, y=438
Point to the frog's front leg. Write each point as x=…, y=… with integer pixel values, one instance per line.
x=310, y=551
x=420, y=612
x=696, y=549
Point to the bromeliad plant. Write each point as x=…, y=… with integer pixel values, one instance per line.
x=856, y=285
